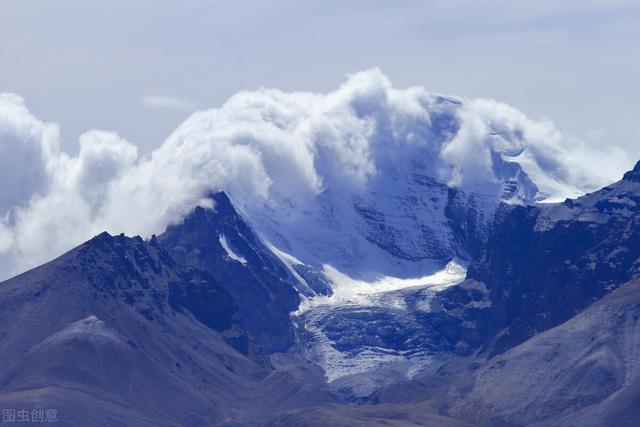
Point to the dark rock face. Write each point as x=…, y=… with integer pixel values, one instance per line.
x=148, y=279
x=467, y=224
x=109, y=334
x=461, y=316
x=449, y=222
x=423, y=198
x=261, y=286
x=544, y=264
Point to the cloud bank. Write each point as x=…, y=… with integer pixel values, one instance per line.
x=267, y=148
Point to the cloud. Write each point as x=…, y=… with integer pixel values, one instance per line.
x=55, y=198
x=28, y=152
x=560, y=166
x=168, y=103
x=271, y=150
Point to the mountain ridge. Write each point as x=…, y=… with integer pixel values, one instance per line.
x=194, y=327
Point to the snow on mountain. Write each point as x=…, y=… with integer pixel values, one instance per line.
x=348, y=291
x=619, y=200
x=230, y=253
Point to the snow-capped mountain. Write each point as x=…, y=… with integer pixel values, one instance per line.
x=400, y=195
x=369, y=245
x=209, y=323
x=369, y=258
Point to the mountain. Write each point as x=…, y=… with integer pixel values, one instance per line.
x=119, y=332
x=544, y=264
x=114, y=332
x=220, y=243
x=518, y=315
x=379, y=256
x=369, y=259
x=584, y=372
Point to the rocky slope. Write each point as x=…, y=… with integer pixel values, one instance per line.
x=220, y=243
x=585, y=372
x=116, y=333
x=544, y=264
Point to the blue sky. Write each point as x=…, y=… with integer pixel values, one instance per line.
x=139, y=67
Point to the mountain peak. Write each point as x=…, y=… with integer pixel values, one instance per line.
x=634, y=174
x=107, y=243
x=204, y=216
x=221, y=200
x=219, y=242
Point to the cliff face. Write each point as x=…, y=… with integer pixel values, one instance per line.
x=219, y=242
x=115, y=332
x=544, y=264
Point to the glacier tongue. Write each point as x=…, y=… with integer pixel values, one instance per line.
x=364, y=335
x=381, y=291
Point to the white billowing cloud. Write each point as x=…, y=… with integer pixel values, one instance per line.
x=167, y=102
x=269, y=148
x=560, y=166
x=50, y=200
x=28, y=152
x=103, y=157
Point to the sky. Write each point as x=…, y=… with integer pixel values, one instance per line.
x=140, y=67
x=124, y=115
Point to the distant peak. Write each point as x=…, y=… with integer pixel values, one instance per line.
x=222, y=203
x=100, y=240
x=634, y=174
x=221, y=197
x=205, y=217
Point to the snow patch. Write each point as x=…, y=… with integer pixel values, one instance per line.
x=289, y=261
x=229, y=251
